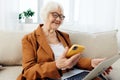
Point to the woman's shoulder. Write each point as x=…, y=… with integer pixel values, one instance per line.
x=29, y=35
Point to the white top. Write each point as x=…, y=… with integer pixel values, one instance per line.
x=58, y=49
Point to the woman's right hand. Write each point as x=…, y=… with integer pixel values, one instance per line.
x=66, y=63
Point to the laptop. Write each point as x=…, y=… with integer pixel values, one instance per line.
x=78, y=74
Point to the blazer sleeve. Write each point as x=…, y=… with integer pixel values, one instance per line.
x=84, y=63
x=33, y=69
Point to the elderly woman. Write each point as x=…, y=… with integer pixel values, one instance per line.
x=45, y=48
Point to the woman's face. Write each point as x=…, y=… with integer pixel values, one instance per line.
x=55, y=19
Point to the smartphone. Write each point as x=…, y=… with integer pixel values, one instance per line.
x=75, y=48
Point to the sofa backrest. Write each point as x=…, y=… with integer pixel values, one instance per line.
x=97, y=45
x=102, y=44
x=10, y=47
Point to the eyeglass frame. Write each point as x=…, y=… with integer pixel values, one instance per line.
x=61, y=16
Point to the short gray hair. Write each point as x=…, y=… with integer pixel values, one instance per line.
x=46, y=9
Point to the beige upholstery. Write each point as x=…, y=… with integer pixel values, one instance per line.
x=97, y=45
x=10, y=72
x=10, y=47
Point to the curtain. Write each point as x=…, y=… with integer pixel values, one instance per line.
x=94, y=15
x=9, y=14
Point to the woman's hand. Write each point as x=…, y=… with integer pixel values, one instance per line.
x=95, y=62
x=66, y=63
x=107, y=71
x=104, y=74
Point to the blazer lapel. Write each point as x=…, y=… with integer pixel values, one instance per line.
x=43, y=42
x=61, y=39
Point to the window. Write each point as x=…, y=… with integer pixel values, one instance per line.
x=83, y=15
x=35, y=5
x=32, y=4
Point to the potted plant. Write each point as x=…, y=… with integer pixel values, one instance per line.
x=28, y=15
x=20, y=17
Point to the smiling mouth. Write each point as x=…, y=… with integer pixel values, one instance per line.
x=56, y=22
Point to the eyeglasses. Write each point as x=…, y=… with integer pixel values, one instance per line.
x=55, y=15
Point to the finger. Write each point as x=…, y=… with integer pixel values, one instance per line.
x=74, y=57
x=104, y=73
x=107, y=71
x=100, y=60
x=76, y=60
x=110, y=68
x=97, y=78
x=60, y=63
x=72, y=60
x=64, y=53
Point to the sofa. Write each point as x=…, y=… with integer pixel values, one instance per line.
x=97, y=45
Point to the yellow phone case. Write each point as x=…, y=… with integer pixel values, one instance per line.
x=76, y=48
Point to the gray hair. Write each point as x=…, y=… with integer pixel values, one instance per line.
x=46, y=9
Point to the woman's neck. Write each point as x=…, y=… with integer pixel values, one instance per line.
x=48, y=31
x=50, y=35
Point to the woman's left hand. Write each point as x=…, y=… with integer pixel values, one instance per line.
x=95, y=62
x=107, y=71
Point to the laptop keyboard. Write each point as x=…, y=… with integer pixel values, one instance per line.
x=78, y=76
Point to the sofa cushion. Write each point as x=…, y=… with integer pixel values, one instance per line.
x=102, y=44
x=10, y=47
x=10, y=72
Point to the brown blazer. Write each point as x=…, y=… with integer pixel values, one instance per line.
x=38, y=58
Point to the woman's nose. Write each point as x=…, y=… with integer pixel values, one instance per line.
x=58, y=18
